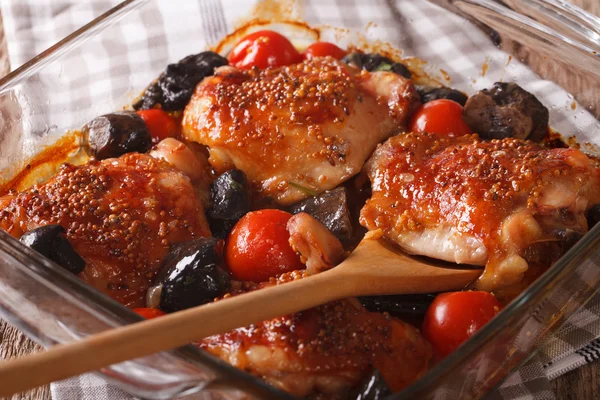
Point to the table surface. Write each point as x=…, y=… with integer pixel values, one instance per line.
x=580, y=384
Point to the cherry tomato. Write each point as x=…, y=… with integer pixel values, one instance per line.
x=263, y=49
x=323, y=49
x=257, y=247
x=454, y=317
x=441, y=116
x=160, y=124
x=149, y=313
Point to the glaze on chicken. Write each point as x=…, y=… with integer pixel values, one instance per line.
x=120, y=214
x=479, y=202
x=325, y=350
x=310, y=125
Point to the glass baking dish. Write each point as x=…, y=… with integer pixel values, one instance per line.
x=94, y=71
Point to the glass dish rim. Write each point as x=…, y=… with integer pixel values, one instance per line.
x=586, y=245
x=589, y=243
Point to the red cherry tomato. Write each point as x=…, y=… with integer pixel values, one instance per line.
x=257, y=247
x=263, y=49
x=160, y=124
x=323, y=49
x=454, y=317
x=441, y=116
x=149, y=313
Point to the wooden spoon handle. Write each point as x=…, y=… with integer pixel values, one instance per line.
x=167, y=332
x=371, y=269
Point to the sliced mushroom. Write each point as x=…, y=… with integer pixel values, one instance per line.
x=372, y=387
x=114, y=134
x=377, y=62
x=230, y=199
x=191, y=275
x=174, y=87
x=428, y=94
x=506, y=110
x=399, y=305
x=331, y=209
x=50, y=241
x=593, y=215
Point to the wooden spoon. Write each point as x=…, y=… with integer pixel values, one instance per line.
x=374, y=268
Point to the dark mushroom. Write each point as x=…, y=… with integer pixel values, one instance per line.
x=191, y=275
x=230, y=199
x=174, y=87
x=42, y=239
x=51, y=242
x=506, y=110
x=372, y=387
x=428, y=94
x=115, y=134
x=220, y=228
x=403, y=305
x=64, y=255
x=568, y=237
x=376, y=62
x=547, y=252
x=329, y=208
x=593, y=216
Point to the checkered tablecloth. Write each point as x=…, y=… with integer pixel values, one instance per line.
x=424, y=31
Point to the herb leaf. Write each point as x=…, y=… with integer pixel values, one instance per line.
x=384, y=67
x=304, y=189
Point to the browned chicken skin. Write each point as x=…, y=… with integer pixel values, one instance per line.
x=326, y=350
x=498, y=203
x=121, y=215
x=312, y=124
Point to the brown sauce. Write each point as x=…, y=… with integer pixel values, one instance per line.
x=46, y=164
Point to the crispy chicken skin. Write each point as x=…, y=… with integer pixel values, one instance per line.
x=498, y=203
x=313, y=124
x=325, y=350
x=120, y=214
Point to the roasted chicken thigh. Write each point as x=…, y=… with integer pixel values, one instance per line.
x=498, y=203
x=310, y=125
x=120, y=215
x=326, y=350
x=278, y=144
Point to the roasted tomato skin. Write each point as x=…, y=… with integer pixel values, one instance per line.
x=149, y=313
x=160, y=124
x=454, y=317
x=263, y=49
x=323, y=49
x=442, y=116
x=258, y=246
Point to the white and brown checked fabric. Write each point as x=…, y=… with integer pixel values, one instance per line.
x=152, y=39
